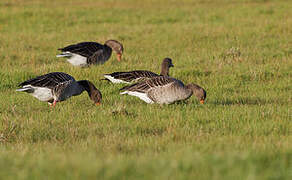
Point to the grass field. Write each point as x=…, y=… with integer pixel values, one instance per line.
x=239, y=51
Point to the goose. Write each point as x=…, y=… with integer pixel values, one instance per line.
x=164, y=90
x=87, y=53
x=138, y=75
x=58, y=86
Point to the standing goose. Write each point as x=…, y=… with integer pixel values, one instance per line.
x=164, y=90
x=87, y=53
x=58, y=86
x=133, y=76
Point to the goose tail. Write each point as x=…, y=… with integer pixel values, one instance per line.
x=112, y=79
x=124, y=92
x=64, y=54
x=25, y=89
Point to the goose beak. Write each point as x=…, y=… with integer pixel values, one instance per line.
x=171, y=65
x=202, y=101
x=119, y=57
x=98, y=103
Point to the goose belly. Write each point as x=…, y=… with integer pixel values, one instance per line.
x=169, y=96
x=42, y=94
x=77, y=60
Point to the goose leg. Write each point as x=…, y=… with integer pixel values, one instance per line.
x=54, y=103
x=119, y=57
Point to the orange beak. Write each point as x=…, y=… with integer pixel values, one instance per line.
x=98, y=103
x=202, y=101
x=119, y=57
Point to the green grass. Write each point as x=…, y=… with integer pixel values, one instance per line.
x=239, y=51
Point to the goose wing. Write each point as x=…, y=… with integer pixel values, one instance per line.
x=60, y=91
x=49, y=80
x=131, y=75
x=145, y=86
x=98, y=57
x=85, y=49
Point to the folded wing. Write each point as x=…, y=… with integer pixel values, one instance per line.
x=144, y=86
x=130, y=76
x=85, y=49
x=49, y=80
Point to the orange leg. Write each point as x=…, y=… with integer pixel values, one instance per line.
x=54, y=103
x=119, y=57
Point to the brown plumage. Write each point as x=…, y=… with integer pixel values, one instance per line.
x=139, y=75
x=58, y=86
x=164, y=90
x=87, y=53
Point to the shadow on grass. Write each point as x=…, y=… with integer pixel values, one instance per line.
x=247, y=101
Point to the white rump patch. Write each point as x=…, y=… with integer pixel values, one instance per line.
x=113, y=80
x=41, y=93
x=142, y=96
x=77, y=60
x=74, y=59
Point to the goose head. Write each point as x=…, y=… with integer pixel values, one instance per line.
x=198, y=91
x=165, y=65
x=117, y=47
x=93, y=93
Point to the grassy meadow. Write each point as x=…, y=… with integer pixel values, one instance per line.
x=239, y=51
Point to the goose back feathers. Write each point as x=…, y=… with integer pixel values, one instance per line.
x=49, y=80
x=163, y=90
x=139, y=75
x=87, y=53
x=58, y=86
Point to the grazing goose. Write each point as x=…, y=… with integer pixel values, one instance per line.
x=87, y=53
x=58, y=86
x=164, y=90
x=139, y=75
